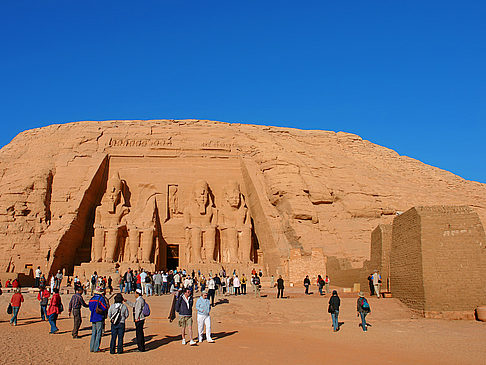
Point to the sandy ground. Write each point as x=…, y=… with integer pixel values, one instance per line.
x=295, y=330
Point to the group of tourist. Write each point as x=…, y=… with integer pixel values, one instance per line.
x=362, y=307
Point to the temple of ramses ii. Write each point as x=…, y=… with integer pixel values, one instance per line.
x=106, y=196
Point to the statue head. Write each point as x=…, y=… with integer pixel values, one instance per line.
x=113, y=191
x=232, y=194
x=200, y=194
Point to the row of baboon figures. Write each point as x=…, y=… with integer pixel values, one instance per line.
x=200, y=217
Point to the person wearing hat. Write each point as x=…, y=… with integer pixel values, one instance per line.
x=334, y=303
x=363, y=308
x=118, y=313
x=203, y=307
x=139, y=318
x=98, y=308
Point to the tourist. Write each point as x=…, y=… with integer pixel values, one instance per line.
x=327, y=282
x=75, y=305
x=243, y=284
x=157, y=283
x=15, y=283
x=334, y=303
x=223, y=285
x=236, y=285
x=8, y=284
x=202, y=282
x=217, y=282
x=94, y=281
x=211, y=290
x=16, y=302
x=363, y=308
x=139, y=318
x=77, y=283
x=38, y=274
x=127, y=278
x=121, y=281
x=253, y=272
x=307, y=284
x=320, y=284
x=53, y=283
x=43, y=298
x=166, y=279
x=187, y=284
x=98, y=308
x=110, y=284
x=118, y=313
x=260, y=273
x=376, y=283
x=280, y=287
x=177, y=280
x=370, y=284
x=42, y=281
x=59, y=279
x=184, y=308
x=55, y=308
x=149, y=289
x=203, y=308
x=256, y=285
x=143, y=282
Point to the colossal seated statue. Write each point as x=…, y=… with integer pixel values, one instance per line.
x=235, y=226
x=108, y=217
x=199, y=224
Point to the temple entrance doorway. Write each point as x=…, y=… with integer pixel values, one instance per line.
x=172, y=257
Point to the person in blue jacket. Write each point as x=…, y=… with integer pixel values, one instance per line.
x=184, y=308
x=99, y=309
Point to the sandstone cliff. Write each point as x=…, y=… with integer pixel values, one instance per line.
x=313, y=188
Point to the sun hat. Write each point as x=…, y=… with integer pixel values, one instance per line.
x=361, y=294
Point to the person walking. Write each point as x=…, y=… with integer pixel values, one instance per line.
x=75, y=305
x=16, y=301
x=118, y=313
x=211, y=290
x=363, y=308
x=121, y=281
x=334, y=303
x=203, y=307
x=43, y=298
x=54, y=310
x=307, y=284
x=370, y=284
x=320, y=284
x=243, y=284
x=327, y=282
x=149, y=289
x=280, y=287
x=157, y=278
x=98, y=308
x=256, y=285
x=139, y=318
x=184, y=308
x=143, y=282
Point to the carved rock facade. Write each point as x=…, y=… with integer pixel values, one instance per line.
x=193, y=193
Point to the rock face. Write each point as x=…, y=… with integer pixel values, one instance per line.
x=200, y=193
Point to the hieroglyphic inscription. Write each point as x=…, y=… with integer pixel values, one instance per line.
x=135, y=142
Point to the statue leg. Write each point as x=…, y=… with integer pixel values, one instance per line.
x=133, y=241
x=98, y=240
x=245, y=245
x=232, y=237
x=196, y=245
x=147, y=244
x=210, y=243
x=111, y=238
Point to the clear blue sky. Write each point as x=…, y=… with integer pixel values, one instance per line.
x=408, y=75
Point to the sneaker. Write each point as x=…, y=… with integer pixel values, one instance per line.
x=200, y=340
x=192, y=343
x=183, y=341
x=211, y=341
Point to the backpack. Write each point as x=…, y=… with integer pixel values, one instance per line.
x=93, y=280
x=146, y=310
x=365, y=305
x=116, y=317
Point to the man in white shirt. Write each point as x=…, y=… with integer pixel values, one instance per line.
x=143, y=276
x=376, y=282
x=236, y=285
x=211, y=290
x=177, y=280
x=38, y=274
x=164, y=282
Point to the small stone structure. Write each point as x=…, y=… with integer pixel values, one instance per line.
x=438, y=260
x=301, y=264
x=381, y=239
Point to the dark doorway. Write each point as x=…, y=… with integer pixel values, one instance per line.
x=172, y=257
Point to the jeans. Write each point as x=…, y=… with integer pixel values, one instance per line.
x=43, y=312
x=52, y=321
x=77, y=321
x=306, y=289
x=158, y=289
x=139, y=334
x=211, y=293
x=37, y=281
x=280, y=292
x=335, y=323
x=164, y=287
x=363, y=320
x=96, y=328
x=320, y=289
x=121, y=288
x=117, y=332
x=15, y=312
x=203, y=320
x=149, y=289
x=243, y=289
x=237, y=290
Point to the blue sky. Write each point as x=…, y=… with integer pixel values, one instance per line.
x=408, y=75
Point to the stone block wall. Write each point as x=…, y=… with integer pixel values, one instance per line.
x=301, y=265
x=381, y=239
x=438, y=260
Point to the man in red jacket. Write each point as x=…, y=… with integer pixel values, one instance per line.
x=16, y=302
